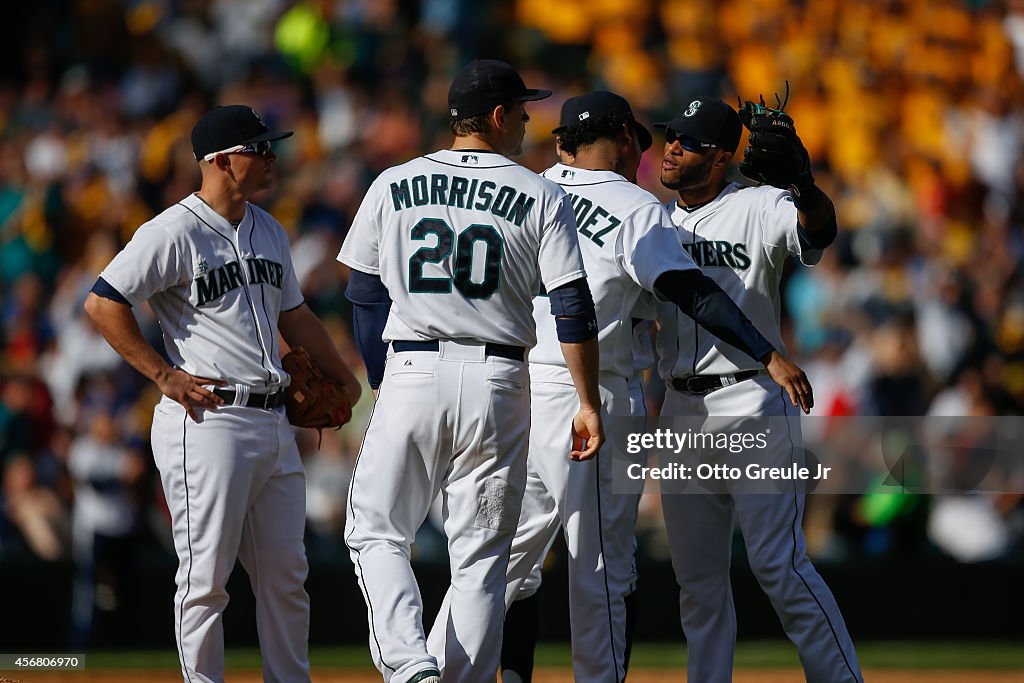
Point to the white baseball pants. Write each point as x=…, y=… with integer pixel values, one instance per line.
x=235, y=488
x=455, y=422
x=699, y=528
x=599, y=524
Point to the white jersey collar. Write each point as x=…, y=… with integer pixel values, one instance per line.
x=674, y=206
x=469, y=158
x=563, y=174
x=213, y=219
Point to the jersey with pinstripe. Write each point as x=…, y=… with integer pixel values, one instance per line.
x=627, y=241
x=754, y=233
x=216, y=289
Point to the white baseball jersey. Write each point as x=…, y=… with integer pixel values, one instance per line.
x=217, y=290
x=627, y=241
x=486, y=234
x=755, y=232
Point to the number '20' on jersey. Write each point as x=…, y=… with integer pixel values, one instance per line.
x=463, y=240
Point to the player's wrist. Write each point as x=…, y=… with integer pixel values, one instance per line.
x=807, y=197
x=164, y=374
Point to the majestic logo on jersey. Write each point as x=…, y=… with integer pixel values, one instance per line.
x=692, y=109
x=592, y=221
x=719, y=253
x=508, y=203
x=211, y=285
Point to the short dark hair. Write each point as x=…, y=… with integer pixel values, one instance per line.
x=590, y=130
x=481, y=123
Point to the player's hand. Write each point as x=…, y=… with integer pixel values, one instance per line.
x=790, y=377
x=587, y=435
x=188, y=390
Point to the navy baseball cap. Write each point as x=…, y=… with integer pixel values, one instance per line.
x=576, y=110
x=710, y=120
x=484, y=84
x=229, y=126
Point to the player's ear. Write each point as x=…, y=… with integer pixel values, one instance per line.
x=723, y=157
x=626, y=135
x=500, y=117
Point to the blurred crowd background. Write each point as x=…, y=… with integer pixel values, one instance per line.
x=911, y=111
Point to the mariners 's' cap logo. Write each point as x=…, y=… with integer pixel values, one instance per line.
x=692, y=109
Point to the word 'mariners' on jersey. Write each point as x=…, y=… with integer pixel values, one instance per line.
x=462, y=193
x=711, y=253
x=213, y=284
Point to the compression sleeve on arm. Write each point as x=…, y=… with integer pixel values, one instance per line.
x=573, y=308
x=371, y=304
x=700, y=297
x=107, y=291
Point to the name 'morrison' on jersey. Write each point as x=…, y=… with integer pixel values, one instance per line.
x=463, y=240
x=742, y=240
x=627, y=241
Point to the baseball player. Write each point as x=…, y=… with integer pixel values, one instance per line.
x=631, y=251
x=217, y=272
x=741, y=237
x=448, y=251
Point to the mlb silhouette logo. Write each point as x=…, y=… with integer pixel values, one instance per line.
x=455, y=112
x=584, y=116
x=470, y=159
x=568, y=174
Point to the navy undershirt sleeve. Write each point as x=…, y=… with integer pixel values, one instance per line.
x=700, y=297
x=573, y=308
x=371, y=304
x=106, y=290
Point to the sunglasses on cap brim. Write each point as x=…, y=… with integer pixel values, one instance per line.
x=261, y=149
x=686, y=142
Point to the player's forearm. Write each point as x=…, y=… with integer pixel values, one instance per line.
x=700, y=297
x=301, y=327
x=117, y=324
x=583, y=360
x=817, y=218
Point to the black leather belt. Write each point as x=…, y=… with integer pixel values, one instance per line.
x=266, y=401
x=705, y=384
x=500, y=350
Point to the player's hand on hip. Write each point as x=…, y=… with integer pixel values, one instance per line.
x=188, y=390
x=790, y=377
x=587, y=435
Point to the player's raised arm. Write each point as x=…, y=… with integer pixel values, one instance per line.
x=776, y=156
x=700, y=297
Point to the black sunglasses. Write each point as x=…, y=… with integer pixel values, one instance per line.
x=686, y=142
